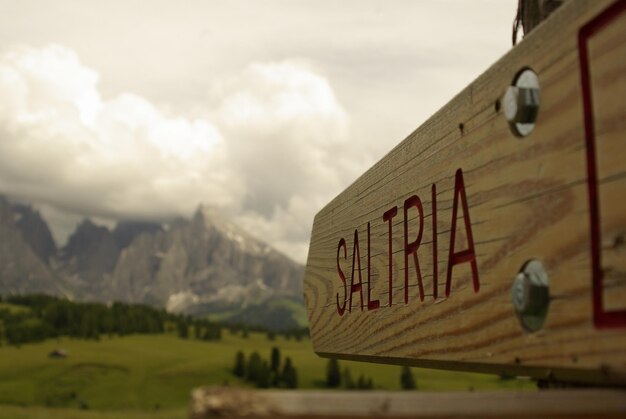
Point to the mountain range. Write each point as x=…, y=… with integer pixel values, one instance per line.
x=203, y=265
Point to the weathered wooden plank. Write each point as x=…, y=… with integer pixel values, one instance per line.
x=216, y=402
x=553, y=196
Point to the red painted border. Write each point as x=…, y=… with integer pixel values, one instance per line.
x=602, y=319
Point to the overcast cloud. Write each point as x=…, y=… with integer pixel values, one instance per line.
x=264, y=110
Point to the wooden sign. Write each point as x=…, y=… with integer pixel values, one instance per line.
x=472, y=247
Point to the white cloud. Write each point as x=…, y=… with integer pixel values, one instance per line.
x=277, y=92
x=289, y=137
x=62, y=144
x=270, y=143
x=284, y=126
x=273, y=153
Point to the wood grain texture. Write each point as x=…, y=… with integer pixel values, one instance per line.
x=215, y=402
x=607, y=57
x=527, y=198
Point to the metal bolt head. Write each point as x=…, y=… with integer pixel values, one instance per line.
x=531, y=295
x=521, y=103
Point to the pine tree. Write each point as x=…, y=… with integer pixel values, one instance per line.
x=254, y=367
x=333, y=375
x=361, y=384
x=263, y=380
x=291, y=378
x=240, y=365
x=275, y=367
x=289, y=375
x=347, y=379
x=406, y=379
x=183, y=329
x=212, y=332
x=275, y=359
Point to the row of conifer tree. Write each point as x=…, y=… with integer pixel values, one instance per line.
x=336, y=378
x=264, y=373
x=39, y=317
x=276, y=373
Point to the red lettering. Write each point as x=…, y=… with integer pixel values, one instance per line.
x=467, y=255
x=342, y=308
x=356, y=256
x=371, y=304
x=411, y=248
x=388, y=216
x=435, y=267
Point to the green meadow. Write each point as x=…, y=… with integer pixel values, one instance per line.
x=153, y=374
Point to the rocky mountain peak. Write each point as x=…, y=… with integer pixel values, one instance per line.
x=35, y=231
x=126, y=231
x=21, y=269
x=90, y=252
x=211, y=220
x=203, y=261
x=86, y=236
x=209, y=217
x=6, y=214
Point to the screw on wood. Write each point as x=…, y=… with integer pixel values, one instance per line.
x=531, y=295
x=521, y=103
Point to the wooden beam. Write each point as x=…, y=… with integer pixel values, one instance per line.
x=223, y=402
x=415, y=262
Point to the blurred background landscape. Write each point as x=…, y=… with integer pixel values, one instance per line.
x=160, y=168
x=132, y=319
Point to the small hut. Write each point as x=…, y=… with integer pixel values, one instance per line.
x=58, y=353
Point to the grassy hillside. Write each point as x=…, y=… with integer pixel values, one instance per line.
x=282, y=313
x=157, y=372
x=35, y=412
x=13, y=308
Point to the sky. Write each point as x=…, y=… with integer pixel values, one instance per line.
x=264, y=110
